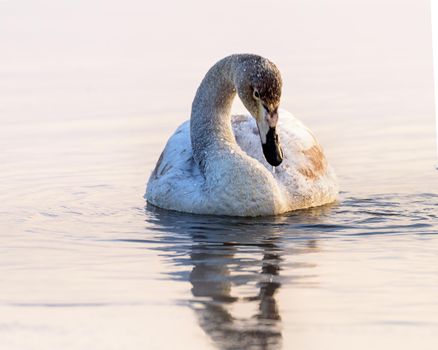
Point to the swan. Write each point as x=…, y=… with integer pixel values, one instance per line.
x=213, y=164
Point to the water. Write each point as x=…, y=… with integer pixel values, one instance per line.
x=85, y=112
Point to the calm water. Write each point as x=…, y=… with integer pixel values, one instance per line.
x=85, y=111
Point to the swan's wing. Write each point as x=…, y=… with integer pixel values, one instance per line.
x=304, y=171
x=176, y=176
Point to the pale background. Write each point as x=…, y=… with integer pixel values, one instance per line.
x=89, y=93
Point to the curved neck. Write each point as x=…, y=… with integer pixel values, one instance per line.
x=210, y=123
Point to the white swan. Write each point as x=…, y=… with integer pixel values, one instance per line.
x=214, y=164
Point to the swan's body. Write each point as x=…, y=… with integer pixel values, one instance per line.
x=214, y=164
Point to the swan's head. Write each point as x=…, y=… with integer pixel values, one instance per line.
x=259, y=88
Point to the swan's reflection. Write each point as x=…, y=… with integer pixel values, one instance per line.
x=215, y=275
x=235, y=273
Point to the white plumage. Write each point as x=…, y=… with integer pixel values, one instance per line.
x=243, y=183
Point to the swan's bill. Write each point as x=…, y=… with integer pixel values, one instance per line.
x=272, y=149
x=266, y=123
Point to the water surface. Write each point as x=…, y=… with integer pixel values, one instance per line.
x=85, y=113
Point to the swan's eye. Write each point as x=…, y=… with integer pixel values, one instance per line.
x=256, y=94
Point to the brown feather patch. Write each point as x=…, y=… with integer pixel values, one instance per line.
x=317, y=162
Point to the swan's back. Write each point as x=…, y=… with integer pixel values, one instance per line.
x=304, y=178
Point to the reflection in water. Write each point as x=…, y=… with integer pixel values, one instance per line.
x=235, y=273
x=237, y=267
x=212, y=281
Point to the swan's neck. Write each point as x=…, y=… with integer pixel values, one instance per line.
x=210, y=123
